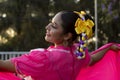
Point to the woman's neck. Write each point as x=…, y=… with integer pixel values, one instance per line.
x=65, y=45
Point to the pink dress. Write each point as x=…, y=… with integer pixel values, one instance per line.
x=54, y=63
x=58, y=64
x=8, y=76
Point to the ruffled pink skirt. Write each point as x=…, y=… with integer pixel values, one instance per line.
x=108, y=68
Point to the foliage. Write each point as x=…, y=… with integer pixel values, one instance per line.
x=28, y=19
x=108, y=21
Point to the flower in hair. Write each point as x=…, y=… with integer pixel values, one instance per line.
x=84, y=26
x=80, y=52
x=81, y=14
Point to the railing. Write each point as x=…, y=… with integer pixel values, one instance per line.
x=8, y=55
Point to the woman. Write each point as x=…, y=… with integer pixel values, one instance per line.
x=64, y=59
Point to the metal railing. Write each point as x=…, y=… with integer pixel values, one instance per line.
x=8, y=55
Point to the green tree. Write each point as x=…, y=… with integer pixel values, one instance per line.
x=108, y=21
x=28, y=19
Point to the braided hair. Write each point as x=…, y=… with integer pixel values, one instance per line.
x=81, y=25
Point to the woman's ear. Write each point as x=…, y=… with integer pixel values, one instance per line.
x=68, y=36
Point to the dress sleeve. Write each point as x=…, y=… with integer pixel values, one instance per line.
x=33, y=64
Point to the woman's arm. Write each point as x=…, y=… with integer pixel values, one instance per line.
x=97, y=56
x=6, y=65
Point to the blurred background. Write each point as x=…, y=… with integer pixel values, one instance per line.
x=22, y=22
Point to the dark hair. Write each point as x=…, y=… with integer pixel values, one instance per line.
x=69, y=18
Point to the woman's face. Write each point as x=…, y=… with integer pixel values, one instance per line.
x=54, y=31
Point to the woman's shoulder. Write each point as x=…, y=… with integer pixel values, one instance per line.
x=38, y=50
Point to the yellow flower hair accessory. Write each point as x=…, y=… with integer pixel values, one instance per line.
x=81, y=14
x=83, y=28
x=83, y=25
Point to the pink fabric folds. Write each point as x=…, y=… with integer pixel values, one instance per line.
x=8, y=76
x=108, y=68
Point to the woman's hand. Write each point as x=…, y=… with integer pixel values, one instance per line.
x=115, y=47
